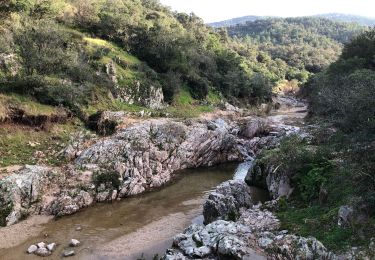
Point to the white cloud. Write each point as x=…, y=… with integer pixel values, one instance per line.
x=216, y=10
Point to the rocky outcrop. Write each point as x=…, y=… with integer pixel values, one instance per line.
x=254, y=235
x=220, y=238
x=142, y=94
x=9, y=64
x=227, y=201
x=45, y=190
x=133, y=160
x=146, y=155
x=21, y=192
x=254, y=126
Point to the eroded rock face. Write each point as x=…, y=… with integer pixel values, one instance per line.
x=265, y=175
x=21, y=191
x=146, y=155
x=226, y=201
x=146, y=95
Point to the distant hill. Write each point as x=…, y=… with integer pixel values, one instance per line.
x=238, y=20
x=347, y=18
x=310, y=43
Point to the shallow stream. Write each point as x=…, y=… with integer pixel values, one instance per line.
x=141, y=225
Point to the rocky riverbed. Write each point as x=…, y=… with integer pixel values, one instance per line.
x=135, y=159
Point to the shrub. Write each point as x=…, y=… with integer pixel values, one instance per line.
x=110, y=179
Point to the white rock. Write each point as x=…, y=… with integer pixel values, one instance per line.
x=41, y=245
x=79, y=228
x=74, y=243
x=51, y=246
x=32, y=249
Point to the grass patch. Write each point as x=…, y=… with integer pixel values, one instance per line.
x=185, y=106
x=183, y=98
x=188, y=111
x=319, y=222
x=213, y=97
x=21, y=145
x=102, y=102
x=105, y=52
x=27, y=104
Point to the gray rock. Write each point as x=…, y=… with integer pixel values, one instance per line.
x=68, y=253
x=64, y=205
x=253, y=127
x=32, y=249
x=23, y=189
x=231, y=246
x=267, y=176
x=345, y=216
x=144, y=155
x=226, y=201
x=74, y=243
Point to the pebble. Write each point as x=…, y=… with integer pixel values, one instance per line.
x=79, y=228
x=69, y=253
x=74, y=243
x=32, y=249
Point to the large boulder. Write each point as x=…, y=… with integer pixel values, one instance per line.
x=254, y=126
x=265, y=175
x=226, y=201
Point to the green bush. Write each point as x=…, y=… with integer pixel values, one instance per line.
x=110, y=179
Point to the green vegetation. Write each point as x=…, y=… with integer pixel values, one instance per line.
x=307, y=44
x=30, y=106
x=325, y=178
x=336, y=166
x=347, y=18
x=85, y=54
x=111, y=180
x=26, y=145
x=4, y=212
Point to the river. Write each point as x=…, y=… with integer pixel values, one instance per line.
x=143, y=225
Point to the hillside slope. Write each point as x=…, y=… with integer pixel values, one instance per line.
x=305, y=43
x=99, y=54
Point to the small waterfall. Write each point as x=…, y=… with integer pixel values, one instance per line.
x=242, y=169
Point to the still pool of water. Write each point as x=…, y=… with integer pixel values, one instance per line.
x=139, y=225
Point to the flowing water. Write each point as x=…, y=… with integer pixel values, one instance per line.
x=144, y=224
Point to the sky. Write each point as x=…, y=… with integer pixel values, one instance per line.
x=218, y=10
